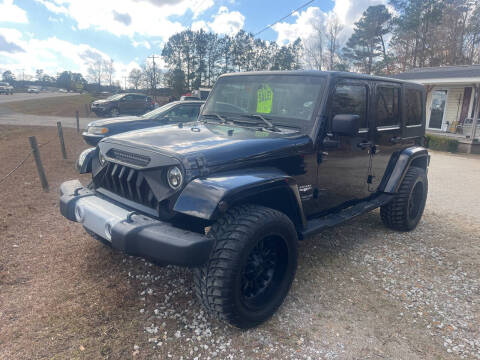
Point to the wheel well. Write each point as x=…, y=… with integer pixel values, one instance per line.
x=281, y=199
x=420, y=162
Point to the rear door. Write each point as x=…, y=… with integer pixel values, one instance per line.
x=388, y=125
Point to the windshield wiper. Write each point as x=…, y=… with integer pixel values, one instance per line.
x=223, y=121
x=270, y=126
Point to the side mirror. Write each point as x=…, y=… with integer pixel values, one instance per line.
x=346, y=124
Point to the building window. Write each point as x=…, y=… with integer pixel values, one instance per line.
x=413, y=105
x=351, y=99
x=387, y=106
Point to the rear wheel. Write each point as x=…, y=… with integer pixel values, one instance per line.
x=405, y=210
x=251, y=267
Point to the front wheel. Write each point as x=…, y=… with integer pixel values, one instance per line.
x=251, y=267
x=114, y=112
x=405, y=210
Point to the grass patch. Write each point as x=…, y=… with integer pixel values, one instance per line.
x=52, y=106
x=441, y=143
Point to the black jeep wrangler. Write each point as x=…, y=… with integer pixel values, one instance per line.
x=273, y=158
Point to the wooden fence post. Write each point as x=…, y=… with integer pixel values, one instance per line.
x=78, y=121
x=62, y=141
x=38, y=161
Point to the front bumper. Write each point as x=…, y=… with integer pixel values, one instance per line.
x=136, y=234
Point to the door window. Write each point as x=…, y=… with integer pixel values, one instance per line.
x=351, y=99
x=413, y=105
x=387, y=106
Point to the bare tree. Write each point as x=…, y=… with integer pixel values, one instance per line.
x=314, y=48
x=151, y=74
x=334, y=28
x=135, y=78
x=95, y=71
x=108, y=70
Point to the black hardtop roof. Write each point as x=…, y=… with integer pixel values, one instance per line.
x=330, y=74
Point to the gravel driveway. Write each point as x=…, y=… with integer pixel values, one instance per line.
x=361, y=292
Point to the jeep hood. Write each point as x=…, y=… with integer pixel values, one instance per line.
x=216, y=143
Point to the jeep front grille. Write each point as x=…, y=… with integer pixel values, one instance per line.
x=129, y=184
x=128, y=158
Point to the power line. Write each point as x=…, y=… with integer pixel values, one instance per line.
x=283, y=18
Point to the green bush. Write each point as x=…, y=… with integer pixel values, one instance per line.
x=441, y=143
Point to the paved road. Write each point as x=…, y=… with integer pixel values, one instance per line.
x=26, y=96
x=8, y=117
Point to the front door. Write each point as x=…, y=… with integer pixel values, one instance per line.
x=437, y=109
x=343, y=160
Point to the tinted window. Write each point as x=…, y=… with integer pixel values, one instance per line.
x=128, y=97
x=413, y=107
x=351, y=99
x=387, y=106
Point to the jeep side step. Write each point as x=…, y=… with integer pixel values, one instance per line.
x=317, y=224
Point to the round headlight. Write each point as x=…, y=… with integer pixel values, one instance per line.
x=101, y=159
x=174, y=177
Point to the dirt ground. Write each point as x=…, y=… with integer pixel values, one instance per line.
x=361, y=292
x=52, y=106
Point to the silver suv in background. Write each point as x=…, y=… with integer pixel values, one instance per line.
x=6, y=88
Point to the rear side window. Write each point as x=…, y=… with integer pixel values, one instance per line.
x=413, y=107
x=351, y=99
x=387, y=106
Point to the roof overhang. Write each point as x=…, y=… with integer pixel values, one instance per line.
x=448, y=81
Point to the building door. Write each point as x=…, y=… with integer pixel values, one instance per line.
x=437, y=110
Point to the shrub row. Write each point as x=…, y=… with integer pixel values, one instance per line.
x=441, y=143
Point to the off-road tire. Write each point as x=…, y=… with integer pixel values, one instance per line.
x=397, y=214
x=218, y=284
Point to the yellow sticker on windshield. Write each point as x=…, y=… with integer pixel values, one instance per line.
x=264, y=99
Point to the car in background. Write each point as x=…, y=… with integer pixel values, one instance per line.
x=171, y=113
x=189, y=97
x=133, y=104
x=33, y=90
x=6, y=88
x=201, y=93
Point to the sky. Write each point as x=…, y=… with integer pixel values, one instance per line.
x=58, y=35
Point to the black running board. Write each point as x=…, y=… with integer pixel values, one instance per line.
x=318, y=224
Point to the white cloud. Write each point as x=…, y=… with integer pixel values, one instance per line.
x=227, y=22
x=53, y=55
x=347, y=12
x=197, y=25
x=128, y=17
x=144, y=43
x=9, y=12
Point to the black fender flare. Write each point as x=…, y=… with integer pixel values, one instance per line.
x=84, y=162
x=207, y=198
x=399, y=164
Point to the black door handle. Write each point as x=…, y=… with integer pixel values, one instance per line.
x=365, y=144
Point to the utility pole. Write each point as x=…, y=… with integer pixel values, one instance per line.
x=125, y=80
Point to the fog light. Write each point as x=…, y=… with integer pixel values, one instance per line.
x=108, y=231
x=79, y=213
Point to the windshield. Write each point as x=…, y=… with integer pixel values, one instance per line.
x=287, y=99
x=158, y=111
x=115, y=97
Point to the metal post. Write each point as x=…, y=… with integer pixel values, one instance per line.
x=78, y=121
x=38, y=161
x=62, y=141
